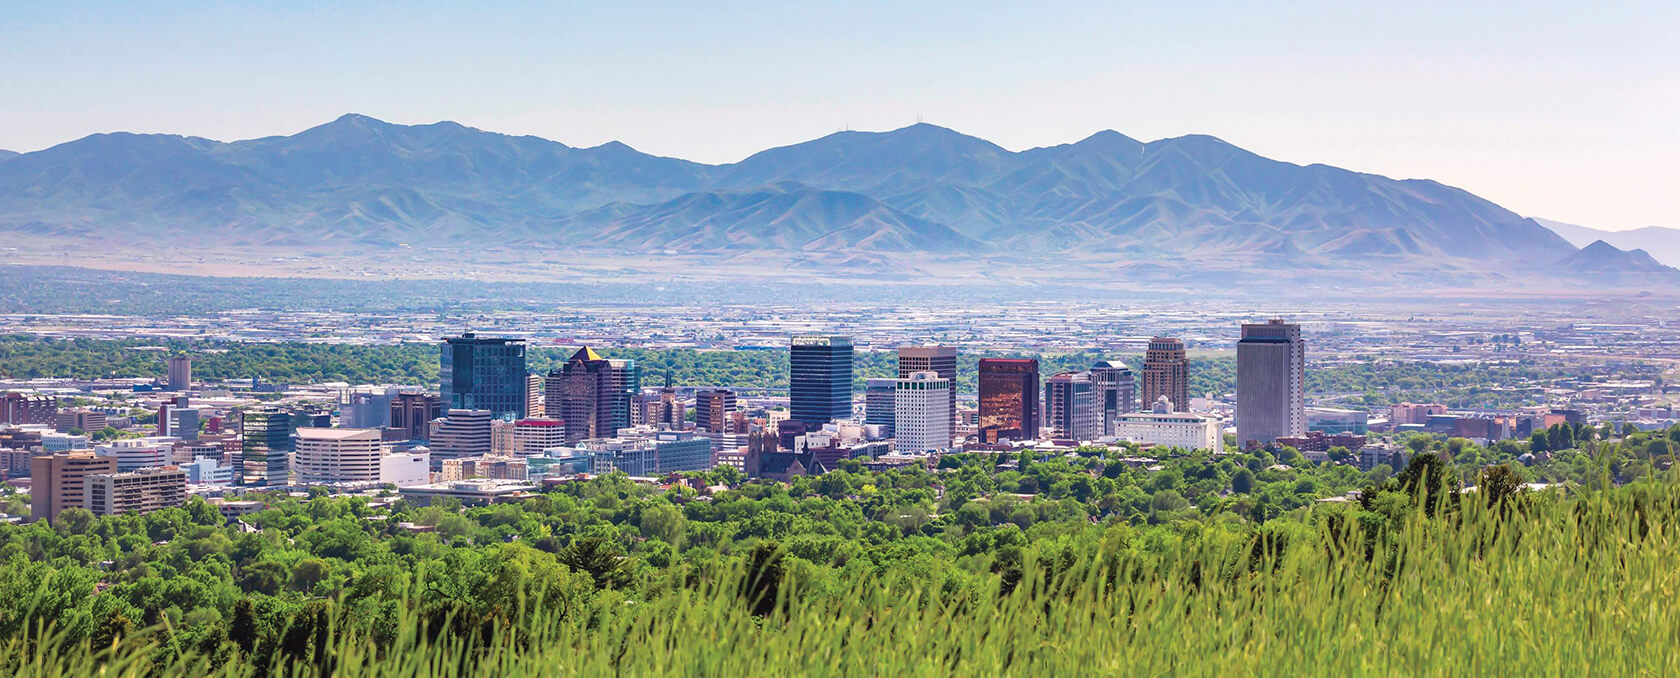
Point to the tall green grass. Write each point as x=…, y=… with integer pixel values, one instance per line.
x=1583, y=585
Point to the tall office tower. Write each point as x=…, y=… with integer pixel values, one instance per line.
x=819, y=380
x=592, y=395
x=534, y=434
x=534, y=385
x=461, y=433
x=139, y=491
x=413, y=414
x=1116, y=391
x=266, y=440
x=922, y=413
x=59, y=481
x=180, y=373
x=1271, y=383
x=939, y=359
x=1008, y=399
x=1072, y=406
x=482, y=373
x=879, y=406
x=712, y=408
x=1166, y=372
x=338, y=455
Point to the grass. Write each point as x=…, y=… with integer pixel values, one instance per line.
x=1580, y=585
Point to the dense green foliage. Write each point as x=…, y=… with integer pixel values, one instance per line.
x=1367, y=383
x=1073, y=563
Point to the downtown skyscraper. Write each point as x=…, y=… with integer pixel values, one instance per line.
x=921, y=416
x=819, y=379
x=1072, y=407
x=591, y=394
x=266, y=443
x=1116, y=391
x=483, y=373
x=1166, y=372
x=941, y=360
x=1271, y=383
x=1008, y=399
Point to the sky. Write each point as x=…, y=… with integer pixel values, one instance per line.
x=1563, y=110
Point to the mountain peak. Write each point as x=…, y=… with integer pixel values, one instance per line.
x=358, y=119
x=1601, y=257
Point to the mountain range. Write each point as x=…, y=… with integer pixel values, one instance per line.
x=922, y=191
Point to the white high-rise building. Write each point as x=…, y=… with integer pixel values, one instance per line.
x=922, y=413
x=337, y=455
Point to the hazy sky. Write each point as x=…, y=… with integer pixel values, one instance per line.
x=1567, y=110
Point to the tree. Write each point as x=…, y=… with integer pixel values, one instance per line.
x=765, y=572
x=1500, y=485
x=1427, y=479
x=602, y=560
x=1539, y=442
x=1561, y=437
x=1242, y=482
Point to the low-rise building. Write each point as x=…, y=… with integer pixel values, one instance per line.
x=476, y=492
x=493, y=467
x=403, y=469
x=139, y=453
x=208, y=471
x=1173, y=429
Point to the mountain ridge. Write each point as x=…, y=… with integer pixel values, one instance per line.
x=919, y=189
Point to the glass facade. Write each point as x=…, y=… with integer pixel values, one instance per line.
x=819, y=380
x=1008, y=399
x=481, y=373
x=266, y=436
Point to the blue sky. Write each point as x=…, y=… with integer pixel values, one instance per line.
x=1564, y=110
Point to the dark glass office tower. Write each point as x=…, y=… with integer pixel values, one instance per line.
x=482, y=373
x=266, y=440
x=1008, y=399
x=820, y=380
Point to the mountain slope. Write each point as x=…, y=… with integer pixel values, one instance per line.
x=360, y=182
